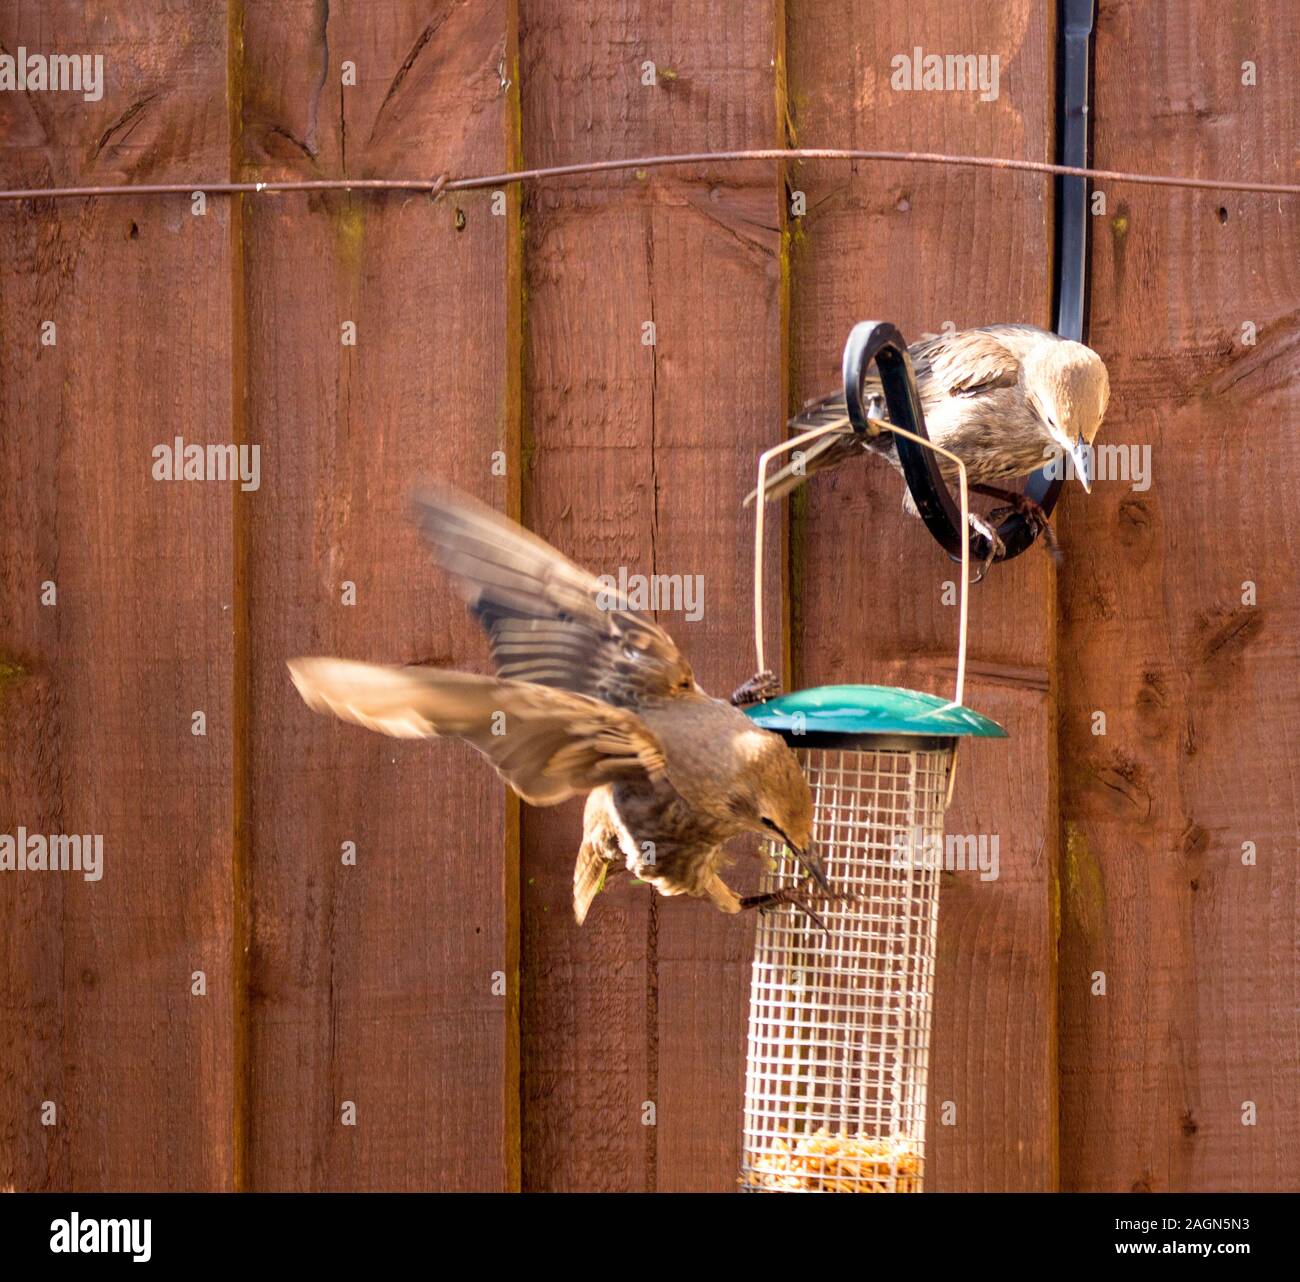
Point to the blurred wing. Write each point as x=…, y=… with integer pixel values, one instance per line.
x=548, y=621
x=547, y=744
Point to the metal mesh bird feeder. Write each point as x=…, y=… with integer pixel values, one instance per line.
x=839, y=1018
x=839, y=1011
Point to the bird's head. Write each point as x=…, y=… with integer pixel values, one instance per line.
x=774, y=799
x=1069, y=387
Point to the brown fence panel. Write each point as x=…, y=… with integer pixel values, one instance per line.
x=640, y=457
x=373, y=983
x=361, y=342
x=924, y=246
x=101, y=673
x=1197, y=682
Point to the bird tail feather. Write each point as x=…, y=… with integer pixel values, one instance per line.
x=407, y=703
x=589, y=875
x=825, y=452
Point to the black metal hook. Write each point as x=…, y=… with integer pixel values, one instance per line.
x=879, y=341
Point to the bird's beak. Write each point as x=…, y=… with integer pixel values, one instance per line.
x=806, y=861
x=811, y=866
x=1081, y=456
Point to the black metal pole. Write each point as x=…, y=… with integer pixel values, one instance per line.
x=1076, y=19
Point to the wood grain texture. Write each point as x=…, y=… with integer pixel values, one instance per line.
x=640, y=456
x=374, y=983
x=1201, y=953
x=97, y=689
x=921, y=247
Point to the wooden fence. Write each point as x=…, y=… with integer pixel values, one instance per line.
x=439, y=984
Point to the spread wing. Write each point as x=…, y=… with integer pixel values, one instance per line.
x=548, y=621
x=547, y=744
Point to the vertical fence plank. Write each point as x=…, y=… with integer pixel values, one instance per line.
x=98, y=684
x=720, y=389
x=922, y=246
x=375, y=983
x=640, y=456
x=1197, y=684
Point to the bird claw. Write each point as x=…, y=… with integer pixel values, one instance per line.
x=797, y=896
x=996, y=547
x=1037, y=518
x=1032, y=511
x=758, y=689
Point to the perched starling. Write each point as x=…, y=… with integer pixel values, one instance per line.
x=587, y=697
x=1003, y=398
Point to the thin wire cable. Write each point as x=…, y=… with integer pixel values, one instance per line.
x=443, y=182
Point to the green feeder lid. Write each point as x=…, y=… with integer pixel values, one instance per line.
x=870, y=711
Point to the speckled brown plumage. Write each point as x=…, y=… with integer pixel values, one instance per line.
x=1001, y=398
x=588, y=697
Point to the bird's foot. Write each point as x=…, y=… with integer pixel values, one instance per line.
x=797, y=895
x=1029, y=509
x=758, y=689
x=996, y=546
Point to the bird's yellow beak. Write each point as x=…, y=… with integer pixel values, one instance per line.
x=1081, y=457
